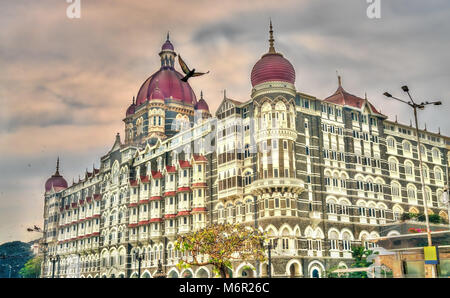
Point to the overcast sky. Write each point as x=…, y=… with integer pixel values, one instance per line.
x=65, y=83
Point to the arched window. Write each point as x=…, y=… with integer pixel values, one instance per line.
x=409, y=168
x=334, y=238
x=407, y=147
x=391, y=143
x=395, y=189
x=347, y=241
x=411, y=191
x=397, y=212
x=393, y=165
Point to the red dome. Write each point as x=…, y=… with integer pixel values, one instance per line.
x=131, y=109
x=170, y=85
x=56, y=181
x=272, y=67
x=202, y=105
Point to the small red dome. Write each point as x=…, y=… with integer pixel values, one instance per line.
x=202, y=105
x=272, y=67
x=170, y=85
x=56, y=181
x=131, y=109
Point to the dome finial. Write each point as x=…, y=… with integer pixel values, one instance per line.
x=201, y=94
x=271, y=40
x=339, y=78
x=57, y=166
x=168, y=35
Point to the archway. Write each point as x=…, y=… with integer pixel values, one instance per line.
x=315, y=273
x=202, y=273
x=187, y=274
x=172, y=274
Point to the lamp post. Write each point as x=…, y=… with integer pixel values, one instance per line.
x=269, y=257
x=54, y=260
x=139, y=257
x=420, y=106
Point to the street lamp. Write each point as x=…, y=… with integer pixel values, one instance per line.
x=269, y=249
x=139, y=257
x=54, y=260
x=420, y=106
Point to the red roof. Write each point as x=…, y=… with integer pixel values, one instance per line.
x=169, y=215
x=132, y=205
x=133, y=183
x=180, y=189
x=199, y=209
x=145, y=179
x=201, y=184
x=155, y=198
x=181, y=213
x=132, y=225
x=171, y=169
x=155, y=219
x=200, y=158
x=343, y=98
x=81, y=202
x=185, y=164
x=143, y=222
x=143, y=201
x=74, y=205
x=88, y=199
x=97, y=197
x=170, y=194
x=157, y=175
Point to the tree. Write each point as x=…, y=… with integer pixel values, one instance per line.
x=13, y=256
x=32, y=268
x=218, y=245
x=360, y=254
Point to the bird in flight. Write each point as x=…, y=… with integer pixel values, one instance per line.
x=188, y=73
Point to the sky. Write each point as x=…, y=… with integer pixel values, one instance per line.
x=65, y=84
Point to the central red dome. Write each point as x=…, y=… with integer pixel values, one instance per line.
x=272, y=67
x=170, y=85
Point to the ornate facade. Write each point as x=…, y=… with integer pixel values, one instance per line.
x=318, y=175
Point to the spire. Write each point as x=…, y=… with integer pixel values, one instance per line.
x=134, y=98
x=271, y=40
x=201, y=94
x=339, y=79
x=168, y=35
x=224, y=93
x=57, y=167
x=439, y=130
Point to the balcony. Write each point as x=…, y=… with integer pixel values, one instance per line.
x=286, y=184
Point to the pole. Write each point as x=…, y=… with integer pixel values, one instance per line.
x=53, y=267
x=269, y=270
x=425, y=203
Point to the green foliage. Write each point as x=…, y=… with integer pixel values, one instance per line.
x=435, y=218
x=406, y=216
x=32, y=268
x=14, y=255
x=218, y=245
x=360, y=254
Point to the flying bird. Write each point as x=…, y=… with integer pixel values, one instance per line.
x=188, y=73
